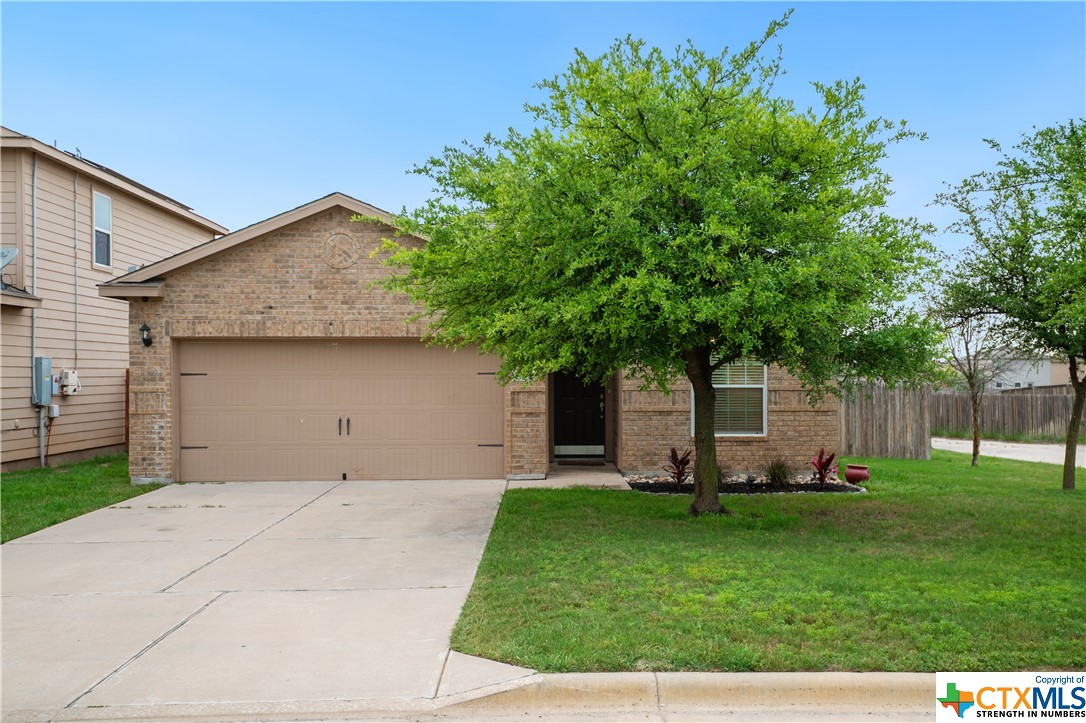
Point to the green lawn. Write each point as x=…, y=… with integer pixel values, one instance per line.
x=38, y=498
x=940, y=567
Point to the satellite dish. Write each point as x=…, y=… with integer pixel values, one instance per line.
x=7, y=255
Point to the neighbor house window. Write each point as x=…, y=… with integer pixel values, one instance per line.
x=740, y=399
x=103, y=230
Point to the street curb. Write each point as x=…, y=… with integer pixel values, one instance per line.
x=900, y=695
x=587, y=696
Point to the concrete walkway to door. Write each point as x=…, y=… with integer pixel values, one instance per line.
x=247, y=599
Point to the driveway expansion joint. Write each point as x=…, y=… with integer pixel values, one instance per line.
x=145, y=649
x=440, y=675
x=248, y=539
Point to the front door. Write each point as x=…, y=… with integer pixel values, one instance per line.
x=578, y=417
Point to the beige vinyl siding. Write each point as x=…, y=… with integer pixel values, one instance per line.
x=15, y=389
x=10, y=212
x=8, y=174
x=142, y=233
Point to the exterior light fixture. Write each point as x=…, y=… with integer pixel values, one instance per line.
x=145, y=335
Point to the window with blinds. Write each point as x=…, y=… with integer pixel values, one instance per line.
x=740, y=399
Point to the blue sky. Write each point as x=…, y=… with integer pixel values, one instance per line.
x=244, y=110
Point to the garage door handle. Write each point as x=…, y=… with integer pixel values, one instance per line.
x=341, y=426
x=348, y=426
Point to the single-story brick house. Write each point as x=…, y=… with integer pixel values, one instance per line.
x=266, y=354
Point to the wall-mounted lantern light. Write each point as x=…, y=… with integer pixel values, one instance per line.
x=145, y=335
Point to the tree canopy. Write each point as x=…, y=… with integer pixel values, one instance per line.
x=668, y=214
x=1026, y=267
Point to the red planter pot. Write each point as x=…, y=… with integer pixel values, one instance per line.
x=856, y=473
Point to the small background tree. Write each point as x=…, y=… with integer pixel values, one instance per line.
x=1026, y=268
x=974, y=349
x=668, y=215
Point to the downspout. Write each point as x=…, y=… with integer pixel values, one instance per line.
x=34, y=291
x=75, y=263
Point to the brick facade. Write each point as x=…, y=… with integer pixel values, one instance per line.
x=289, y=283
x=527, y=453
x=276, y=286
x=651, y=423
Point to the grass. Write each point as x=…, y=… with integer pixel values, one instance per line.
x=1006, y=437
x=35, y=499
x=942, y=566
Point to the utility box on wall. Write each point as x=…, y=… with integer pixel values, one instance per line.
x=69, y=382
x=41, y=393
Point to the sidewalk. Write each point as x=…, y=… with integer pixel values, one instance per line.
x=1051, y=453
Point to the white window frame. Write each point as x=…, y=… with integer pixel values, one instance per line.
x=764, y=386
x=95, y=228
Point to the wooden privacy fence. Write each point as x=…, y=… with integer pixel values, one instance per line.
x=1003, y=413
x=886, y=422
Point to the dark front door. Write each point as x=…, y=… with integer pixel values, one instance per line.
x=578, y=417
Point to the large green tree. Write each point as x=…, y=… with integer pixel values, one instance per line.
x=1026, y=267
x=666, y=215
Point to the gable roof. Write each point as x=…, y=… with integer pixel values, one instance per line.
x=14, y=139
x=138, y=282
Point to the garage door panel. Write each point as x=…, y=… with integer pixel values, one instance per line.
x=256, y=463
x=389, y=427
x=404, y=461
x=267, y=426
x=246, y=392
x=428, y=428
x=271, y=410
x=477, y=391
x=207, y=428
x=480, y=428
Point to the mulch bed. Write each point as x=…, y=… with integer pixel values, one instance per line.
x=740, y=486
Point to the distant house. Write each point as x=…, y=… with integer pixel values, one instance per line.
x=1025, y=373
x=69, y=225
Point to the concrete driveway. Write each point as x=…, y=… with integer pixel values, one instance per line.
x=217, y=599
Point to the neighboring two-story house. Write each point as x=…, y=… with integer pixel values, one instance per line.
x=68, y=225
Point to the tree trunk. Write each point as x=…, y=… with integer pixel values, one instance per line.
x=706, y=498
x=974, y=403
x=1073, y=426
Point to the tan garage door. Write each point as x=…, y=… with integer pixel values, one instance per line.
x=319, y=410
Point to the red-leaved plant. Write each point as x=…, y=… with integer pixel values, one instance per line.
x=677, y=466
x=823, y=466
